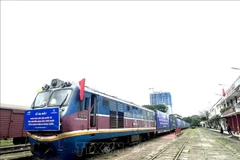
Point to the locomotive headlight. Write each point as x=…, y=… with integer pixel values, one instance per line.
x=54, y=82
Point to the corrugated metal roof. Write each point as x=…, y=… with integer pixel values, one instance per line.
x=13, y=106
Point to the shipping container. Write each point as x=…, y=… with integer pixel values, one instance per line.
x=179, y=123
x=162, y=122
x=172, y=122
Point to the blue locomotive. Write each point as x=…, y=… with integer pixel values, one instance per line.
x=67, y=119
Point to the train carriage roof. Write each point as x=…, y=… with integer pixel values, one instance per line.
x=91, y=90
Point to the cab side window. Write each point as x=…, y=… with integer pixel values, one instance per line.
x=86, y=105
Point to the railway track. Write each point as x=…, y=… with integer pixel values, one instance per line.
x=164, y=147
x=14, y=149
x=173, y=150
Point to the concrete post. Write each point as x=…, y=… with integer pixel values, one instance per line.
x=237, y=123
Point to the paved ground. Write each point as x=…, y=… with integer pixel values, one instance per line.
x=193, y=144
x=208, y=145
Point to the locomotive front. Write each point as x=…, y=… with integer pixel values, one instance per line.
x=48, y=123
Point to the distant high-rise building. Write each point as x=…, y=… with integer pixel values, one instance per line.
x=161, y=98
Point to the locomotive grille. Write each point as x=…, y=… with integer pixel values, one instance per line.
x=113, y=114
x=120, y=116
x=113, y=119
x=120, y=119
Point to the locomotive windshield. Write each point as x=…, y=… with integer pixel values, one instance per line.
x=41, y=99
x=60, y=97
x=52, y=98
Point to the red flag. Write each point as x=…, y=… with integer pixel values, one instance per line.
x=82, y=86
x=223, y=93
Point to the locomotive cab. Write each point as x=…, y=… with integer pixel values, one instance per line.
x=72, y=102
x=55, y=111
x=58, y=94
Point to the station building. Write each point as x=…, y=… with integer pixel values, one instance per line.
x=228, y=108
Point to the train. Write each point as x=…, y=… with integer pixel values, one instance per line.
x=12, y=123
x=68, y=120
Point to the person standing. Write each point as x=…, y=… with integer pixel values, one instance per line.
x=229, y=129
x=221, y=130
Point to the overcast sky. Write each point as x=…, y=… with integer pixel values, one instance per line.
x=121, y=48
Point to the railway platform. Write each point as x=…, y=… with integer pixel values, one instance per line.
x=236, y=136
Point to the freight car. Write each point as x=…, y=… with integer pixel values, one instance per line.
x=67, y=118
x=172, y=122
x=176, y=123
x=12, y=123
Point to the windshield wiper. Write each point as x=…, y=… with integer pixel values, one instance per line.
x=63, y=101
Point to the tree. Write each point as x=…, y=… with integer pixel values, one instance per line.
x=160, y=107
x=224, y=109
x=205, y=115
x=187, y=119
x=214, y=121
x=196, y=119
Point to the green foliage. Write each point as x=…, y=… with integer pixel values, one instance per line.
x=224, y=109
x=7, y=142
x=187, y=119
x=205, y=115
x=214, y=120
x=160, y=107
x=193, y=120
x=196, y=119
x=204, y=118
